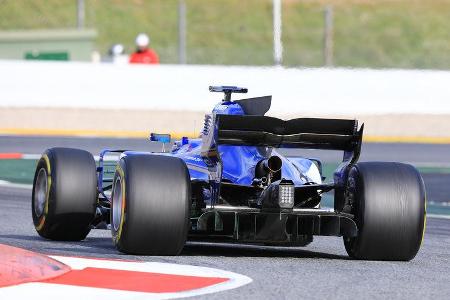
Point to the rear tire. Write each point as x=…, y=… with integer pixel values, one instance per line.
x=388, y=201
x=64, y=194
x=150, y=206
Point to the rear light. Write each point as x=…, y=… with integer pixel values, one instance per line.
x=286, y=193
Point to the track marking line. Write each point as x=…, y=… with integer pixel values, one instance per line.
x=135, y=281
x=88, y=133
x=21, y=266
x=15, y=156
x=15, y=185
x=116, y=279
x=12, y=155
x=435, y=216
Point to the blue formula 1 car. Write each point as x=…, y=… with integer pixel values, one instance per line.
x=233, y=185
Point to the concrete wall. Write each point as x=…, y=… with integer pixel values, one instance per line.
x=297, y=91
x=108, y=99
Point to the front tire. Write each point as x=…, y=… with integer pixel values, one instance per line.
x=388, y=201
x=150, y=205
x=64, y=194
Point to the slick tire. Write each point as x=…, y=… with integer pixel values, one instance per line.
x=389, y=205
x=150, y=205
x=64, y=194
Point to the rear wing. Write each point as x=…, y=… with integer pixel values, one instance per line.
x=312, y=133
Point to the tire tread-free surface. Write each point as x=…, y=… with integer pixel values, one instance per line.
x=72, y=195
x=389, y=207
x=157, y=201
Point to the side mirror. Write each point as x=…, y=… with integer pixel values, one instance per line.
x=162, y=138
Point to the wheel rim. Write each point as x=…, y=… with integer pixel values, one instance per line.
x=40, y=192
x=117, y=203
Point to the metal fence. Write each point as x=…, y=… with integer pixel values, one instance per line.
x=390, y=33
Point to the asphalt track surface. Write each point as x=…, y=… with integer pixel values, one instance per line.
x=437, y=155
x=424, y=154
x=320, y=270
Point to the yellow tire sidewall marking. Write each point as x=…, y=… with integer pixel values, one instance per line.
x=424, y=221
x=121, y=173
x=47, y=194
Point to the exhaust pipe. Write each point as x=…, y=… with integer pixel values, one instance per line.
x=268, y=166
x=273, y=164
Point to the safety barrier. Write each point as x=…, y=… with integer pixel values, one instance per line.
x=185, y=87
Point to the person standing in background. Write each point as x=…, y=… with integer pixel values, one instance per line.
x=143, y=54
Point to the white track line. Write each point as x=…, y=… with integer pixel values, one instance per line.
x=15, y=185
x=96, y=157
x=31, y=156
x=435, y=216
x=47, y=291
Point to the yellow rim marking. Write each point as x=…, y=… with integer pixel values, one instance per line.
x=90, y=133
x=190, y=134
x=406, y=139
x=424, y=221
x=49, y=182
x=122, y=218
